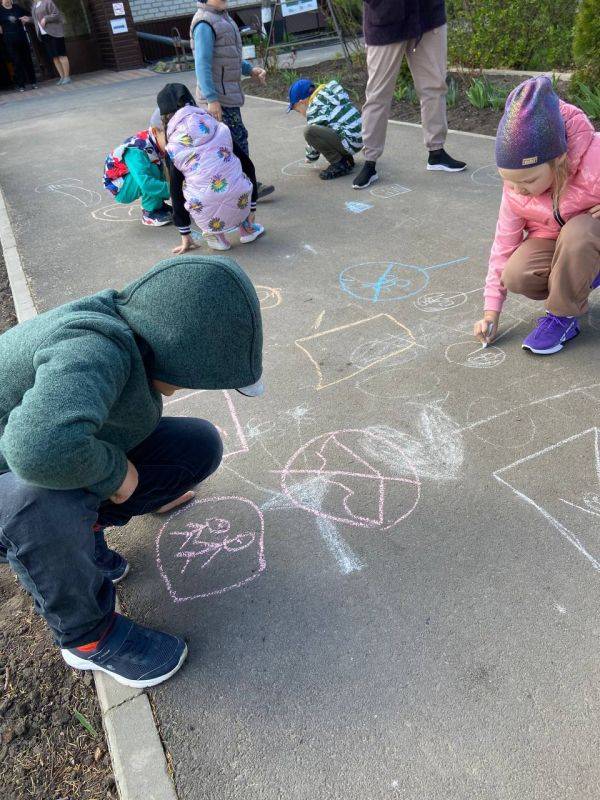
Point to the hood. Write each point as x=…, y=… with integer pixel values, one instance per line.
x=580, y=133
x=200, y=316
x=190, y=127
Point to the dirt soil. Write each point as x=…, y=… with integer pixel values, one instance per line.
x=46, y=752
x=462, y=115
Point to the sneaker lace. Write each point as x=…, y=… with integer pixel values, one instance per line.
x=549, y=321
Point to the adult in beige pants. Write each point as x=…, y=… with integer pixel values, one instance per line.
x=415, y=29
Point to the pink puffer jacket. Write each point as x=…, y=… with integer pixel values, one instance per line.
x=216, y=190
x=520, y=214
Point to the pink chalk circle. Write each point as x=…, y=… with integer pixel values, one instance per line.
x=353, y=476
x=211, y=546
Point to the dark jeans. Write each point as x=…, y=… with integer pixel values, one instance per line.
x=49, y=534
x=20, y=55
x=232, y=117
x=326, y=141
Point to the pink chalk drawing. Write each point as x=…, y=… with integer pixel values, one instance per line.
x=211, y=546
x=353, y=476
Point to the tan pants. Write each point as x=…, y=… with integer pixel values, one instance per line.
x=559, y=271
x=427, y=62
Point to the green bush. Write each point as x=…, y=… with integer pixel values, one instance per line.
x=513, y=34
x=587, y=99
x=482, y=94
x=586, y=42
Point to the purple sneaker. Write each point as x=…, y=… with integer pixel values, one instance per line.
x=596, y=282
x=550, y=334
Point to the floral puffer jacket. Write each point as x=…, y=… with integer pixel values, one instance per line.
x=216, y=191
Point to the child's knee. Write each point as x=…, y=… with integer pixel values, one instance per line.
x=577, y=233
x=309, y=133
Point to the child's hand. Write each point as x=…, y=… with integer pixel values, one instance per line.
x=187, y=243
x=128, y=487
x=595, y=212
x=260, y=74
x=486, y=329
x=215, y=110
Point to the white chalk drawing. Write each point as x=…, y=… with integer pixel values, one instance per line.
x=210, y=547
x=299, y=168
x=72, y=188
x=357, y=208
x=341, y=477
x=434, y=302
x=391, y=382
x=391, y=190
x=224, y=416
x=487, y=176
x=472, y=354
x=268, y=297
x=328, y=350
x=522, y=426
x=378, y=281
x=310, y=249
x=118, y=212
x=562, y=482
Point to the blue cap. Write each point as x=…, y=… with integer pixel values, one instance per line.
x=300, y=90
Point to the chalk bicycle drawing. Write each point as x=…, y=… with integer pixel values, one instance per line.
x=379, y=281
x=210, y=547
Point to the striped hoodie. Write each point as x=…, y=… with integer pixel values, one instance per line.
x=330, y=106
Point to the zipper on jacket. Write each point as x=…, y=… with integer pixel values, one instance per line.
x=223, y=79
x=558, y=217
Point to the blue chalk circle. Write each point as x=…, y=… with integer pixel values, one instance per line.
x=377, y=281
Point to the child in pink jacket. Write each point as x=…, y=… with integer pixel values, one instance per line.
x=216, y=191
x=547, y=244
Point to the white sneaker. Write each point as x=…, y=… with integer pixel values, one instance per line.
x=218, y=241
x=65, y=81
x=251, y=235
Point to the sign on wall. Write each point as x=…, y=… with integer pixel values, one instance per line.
x=291, y=7
x=119, y=26
x=119, y=9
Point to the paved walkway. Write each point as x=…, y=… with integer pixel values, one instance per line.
x=393, y=582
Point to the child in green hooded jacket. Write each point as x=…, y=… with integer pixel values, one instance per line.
x=83, y=444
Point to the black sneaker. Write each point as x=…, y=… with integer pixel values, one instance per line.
x=132, y=654
x=112, y=565
x=440, y=160
x=264, y=190
x=366, y=176
x=337, y=170
x=350, y=161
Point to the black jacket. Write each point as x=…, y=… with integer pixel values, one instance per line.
x=389, y=21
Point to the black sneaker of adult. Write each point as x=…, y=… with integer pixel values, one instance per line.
x=366, y=176
x=440, y=160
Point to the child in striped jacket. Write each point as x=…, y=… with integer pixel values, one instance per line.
x=334, y=126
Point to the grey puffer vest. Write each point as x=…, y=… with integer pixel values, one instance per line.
x=227, y=58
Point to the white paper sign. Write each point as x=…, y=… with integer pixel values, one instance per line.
x=291, y=7
x=119, y=26
x=248, y=51
x=265, y=14
x=119, y=9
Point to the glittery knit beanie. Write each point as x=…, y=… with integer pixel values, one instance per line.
x=532, y=130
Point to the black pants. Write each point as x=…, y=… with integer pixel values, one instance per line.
x=326, y=141
x=20, y=55
x=49, y=535
x=249, y=171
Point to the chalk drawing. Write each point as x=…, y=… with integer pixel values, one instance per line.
x=522, y=426
x=390, y=384
x=211, y=546
x=117, y=212
x=73, y=188
x=223, y=415
x=377, y=281
x=442, y=301
x=329, y=478
x=310, y=249
x=328, y=350
x=543, y=479
x=299, y=168
x=319, y=320
x=391, y=190
x=472, y=354
x=487, y=176
x=268, y=297
x=357, y=208
x=392, y=344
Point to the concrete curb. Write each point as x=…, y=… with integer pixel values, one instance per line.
x=136, y=751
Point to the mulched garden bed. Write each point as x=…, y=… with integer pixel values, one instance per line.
x=462, y=116
x=52, y=744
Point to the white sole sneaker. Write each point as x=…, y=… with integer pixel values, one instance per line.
x=373, y=179
x=442, y=168
x=215, y=244
x=88, y=666
x=251, y=237
x=124, y=575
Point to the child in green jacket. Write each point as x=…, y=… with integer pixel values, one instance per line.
x=334, y=125
x=135, y=171
x=84, y=446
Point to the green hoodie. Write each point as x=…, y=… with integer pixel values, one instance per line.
x=75, y=382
